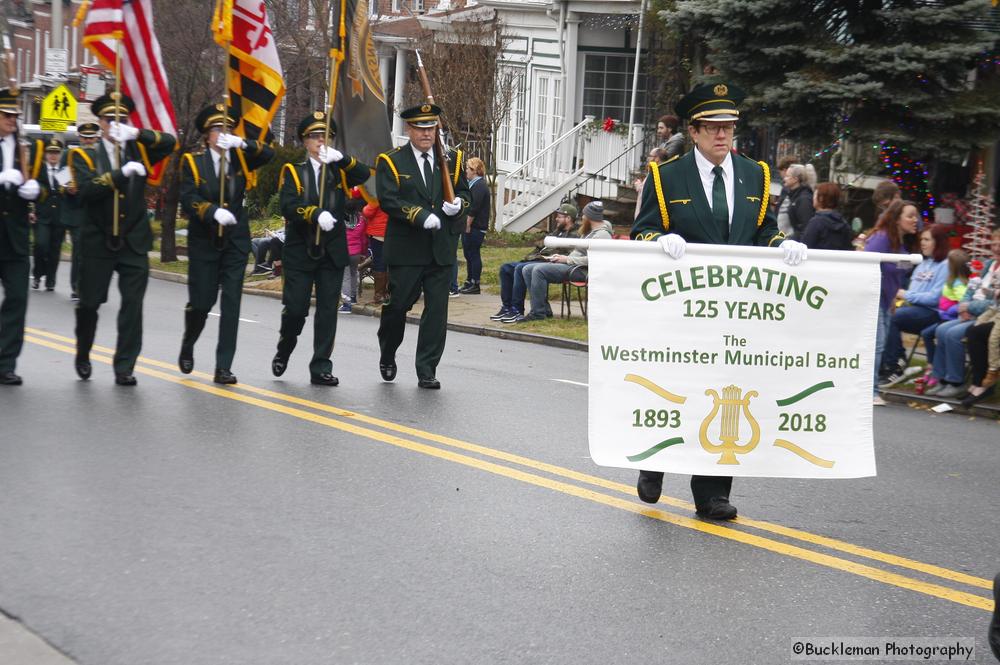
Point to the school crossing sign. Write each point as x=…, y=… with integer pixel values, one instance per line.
x=730, y=362
x=58, y=110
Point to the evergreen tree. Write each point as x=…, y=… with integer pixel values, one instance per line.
x=897, y=70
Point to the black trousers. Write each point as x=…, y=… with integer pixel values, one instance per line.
x=977, y=337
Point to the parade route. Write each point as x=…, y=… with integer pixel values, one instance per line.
x=274, y=521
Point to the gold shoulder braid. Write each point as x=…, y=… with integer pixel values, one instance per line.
x=458, y=166
x=655, y=169
x=189, y=160
x=295, y=177
x=392, y=167
x=765, y=193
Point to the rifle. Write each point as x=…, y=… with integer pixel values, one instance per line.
x=446, y=186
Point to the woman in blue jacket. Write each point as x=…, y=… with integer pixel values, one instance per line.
x=920, y=309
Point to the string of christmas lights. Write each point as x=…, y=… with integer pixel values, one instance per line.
x=910, y=174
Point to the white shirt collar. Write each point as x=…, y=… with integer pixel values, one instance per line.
x=705, y=167
x=419, y=156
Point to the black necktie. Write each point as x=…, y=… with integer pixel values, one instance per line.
x=720, y=208
x=427, y=169
x=52, y=178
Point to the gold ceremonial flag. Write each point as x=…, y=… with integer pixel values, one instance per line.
x=222, y=22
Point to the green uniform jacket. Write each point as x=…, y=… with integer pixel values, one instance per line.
x=408, y=202
x=14, y=211
x=97, y=183
x=673, y=201
x=48, y=206
x=300, y=206
x=200, y=197
x=73, y=209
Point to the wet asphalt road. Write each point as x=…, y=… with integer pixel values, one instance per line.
x=278, y=522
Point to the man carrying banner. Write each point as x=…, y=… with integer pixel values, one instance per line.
x=73, y=208
x=15, y=195
x=710, y=195
x=219, y=234
x=112, y=179
x=421, y=240
x=312, y=258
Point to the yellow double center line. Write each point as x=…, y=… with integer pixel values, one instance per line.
x=351, y=422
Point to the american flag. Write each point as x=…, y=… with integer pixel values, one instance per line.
x=129, y=23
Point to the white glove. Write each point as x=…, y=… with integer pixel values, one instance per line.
x=224, y=217
x=29, y=191
x=120, y=132
x=133, y=168
x=673, y=245
x=795, y=252
x=229, y=141
x=326, y=220
x=452, y=208
x=329, y=154
x=11, y=177
x=432, y=222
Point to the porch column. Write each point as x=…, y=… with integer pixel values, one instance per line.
x=571, y=81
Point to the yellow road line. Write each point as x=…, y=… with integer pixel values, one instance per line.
x=788, y=532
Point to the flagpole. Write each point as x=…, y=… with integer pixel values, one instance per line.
x=219, y=243
x=116, y=242
x=336, y=57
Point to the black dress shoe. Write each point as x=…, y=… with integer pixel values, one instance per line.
x=430, y=384
x=717, y=508
x=279, y=365
x=185, y=361
x=10, y=379
x=971, y=399
x=35, y=283
x=125, y=380
x=223, y=376
x=50, y=288
x=324, y=379
x=387, y=370
x=649, y=486
x=83, y=368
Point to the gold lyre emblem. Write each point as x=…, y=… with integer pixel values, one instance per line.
x=730, y=404
x=720, y=90
x=426, y=108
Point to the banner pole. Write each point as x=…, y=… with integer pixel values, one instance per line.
x=742, y=251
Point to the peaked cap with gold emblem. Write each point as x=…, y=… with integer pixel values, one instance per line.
x=316, y=122
x=715, y=102
x=422, y=115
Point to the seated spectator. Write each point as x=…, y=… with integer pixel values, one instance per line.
x=951, y=294
x=538, y=276
x=512, y=288
x=267, y=251
x=827, y=228
x=983, y=343
x=949, y=354
x=920, y=302
x=797, y=208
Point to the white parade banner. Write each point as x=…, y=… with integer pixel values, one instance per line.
x=730, y=362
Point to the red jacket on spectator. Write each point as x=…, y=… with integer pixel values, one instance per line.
x=376, y=218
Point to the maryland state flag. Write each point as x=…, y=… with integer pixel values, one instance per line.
x=256, y=85
x=359, y=102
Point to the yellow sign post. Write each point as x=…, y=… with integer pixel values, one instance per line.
x=58, y=110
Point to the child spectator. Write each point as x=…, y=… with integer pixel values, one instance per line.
x=375, y=221
x=920, y=309
x=954, y=287
x=357, y=248
x=827, y=228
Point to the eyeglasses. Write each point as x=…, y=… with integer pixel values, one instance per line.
x=719, y=127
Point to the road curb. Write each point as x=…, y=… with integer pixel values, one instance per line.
x=902, y=397
x=371, y=310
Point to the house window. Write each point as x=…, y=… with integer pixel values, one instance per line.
x=512, y=133
x=607, y=87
